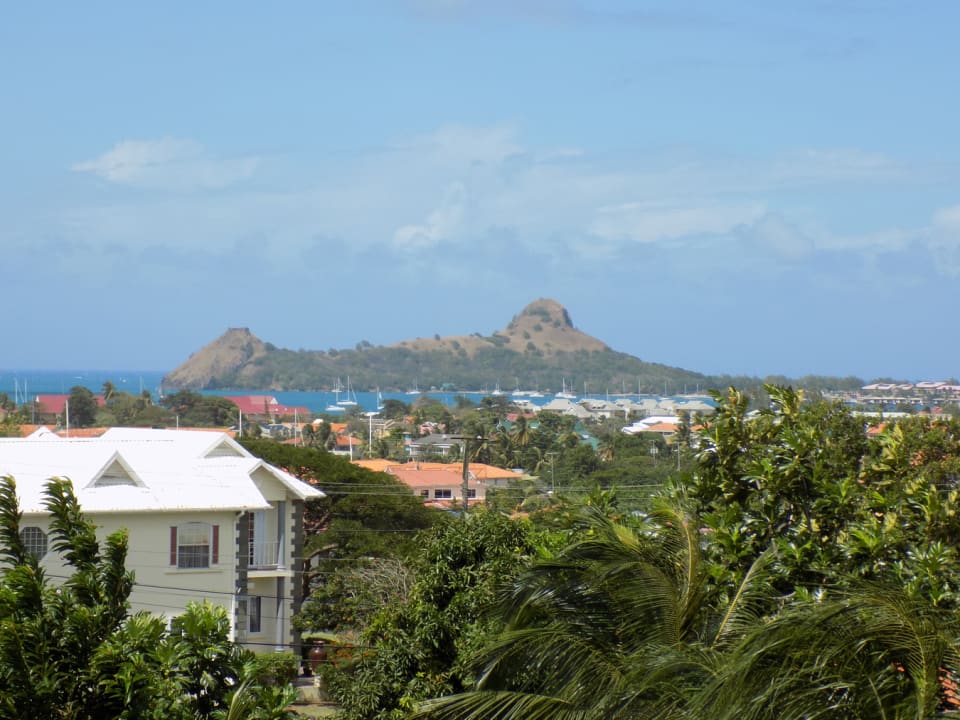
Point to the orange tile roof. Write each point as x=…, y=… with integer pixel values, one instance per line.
x=375, y=464
x=661, y=428
x=28, y=429
x=481, y=471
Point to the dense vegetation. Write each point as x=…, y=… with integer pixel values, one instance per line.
x=771, y=564
x=71, y=650
x=799, y=570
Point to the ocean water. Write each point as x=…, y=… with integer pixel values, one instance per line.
x=21, y=385
x=24, y=383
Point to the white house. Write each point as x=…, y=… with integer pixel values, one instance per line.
x=206, y=520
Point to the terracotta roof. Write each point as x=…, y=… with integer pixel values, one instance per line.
x=55, y=403
x=264, y=405
x=27, y=430
x=661, y=428
x=481, y=471
x=375, y=464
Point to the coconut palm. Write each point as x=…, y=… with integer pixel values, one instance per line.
x=872, y=653
x=619, y=625
x=624, y=624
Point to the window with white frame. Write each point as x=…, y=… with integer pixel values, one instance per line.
x=34, y=541
x=443, y=494
x=194, y=545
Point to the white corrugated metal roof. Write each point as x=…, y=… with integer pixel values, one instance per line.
x=134, y=470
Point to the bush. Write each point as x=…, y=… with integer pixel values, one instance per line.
x=276, y=669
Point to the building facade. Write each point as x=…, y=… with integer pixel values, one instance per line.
x=206, y=520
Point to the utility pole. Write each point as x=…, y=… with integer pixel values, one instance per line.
x=370, y=433
x=466, y=466
x=553, y=486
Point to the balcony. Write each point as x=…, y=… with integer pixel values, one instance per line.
x=265, y=555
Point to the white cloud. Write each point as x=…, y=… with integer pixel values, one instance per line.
x=463, y=147
x=169, y=164
x=441, y=224
x=459, y=184
x=945, y=240
x=773, y=234
x=648, y=222
x=820, y=167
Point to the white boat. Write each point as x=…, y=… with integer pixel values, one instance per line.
x=415, y=390
x=335, y=406
x=350, y=400
x=497, y=391
x=379, y=400
x=565, y=394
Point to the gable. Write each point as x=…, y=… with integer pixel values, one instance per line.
x=224, y=448
x=116, y=472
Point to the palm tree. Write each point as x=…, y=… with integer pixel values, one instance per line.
x=625, y=624
x=871, y=653
x=522, y=434
x=617, y=626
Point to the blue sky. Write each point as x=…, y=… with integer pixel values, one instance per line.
x=739, y=187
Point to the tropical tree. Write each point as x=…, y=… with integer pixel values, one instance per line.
x=618, y=625
x=81, y=407
x=108, y=390
x=416, y=646
x=71, y=650
x=623, y=623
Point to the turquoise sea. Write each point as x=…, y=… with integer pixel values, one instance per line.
x=21, y=385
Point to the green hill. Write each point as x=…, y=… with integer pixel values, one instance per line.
x=539, y=349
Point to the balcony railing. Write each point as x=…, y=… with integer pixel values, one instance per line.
x=265, y=555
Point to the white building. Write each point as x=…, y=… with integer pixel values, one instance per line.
x=206, y=520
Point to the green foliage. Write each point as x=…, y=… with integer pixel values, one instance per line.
x=82, y=407
x=71, y=650
x=192, y=409
x=418, y=645
x=623, y=623
x=801, y=570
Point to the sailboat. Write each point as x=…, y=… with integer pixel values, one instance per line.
x=379, y=400
x=351, y=396
x=565, y=394
x=335, y=406
x=415, y=390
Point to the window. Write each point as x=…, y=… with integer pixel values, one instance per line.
x=253, y=612
x=471, y=493
x=34, y=541
x=194, y=545
x=443, y=494
x=425, y=493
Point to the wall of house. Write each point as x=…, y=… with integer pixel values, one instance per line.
x=161, y=588
x=270, y=596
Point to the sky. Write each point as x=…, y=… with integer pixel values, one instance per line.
x=737, y=187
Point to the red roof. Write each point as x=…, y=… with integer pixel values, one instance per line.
x=264, y=405
x=56, y=403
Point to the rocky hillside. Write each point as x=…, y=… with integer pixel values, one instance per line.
x=225, y=357
x=540, y=348
x=544, y=326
